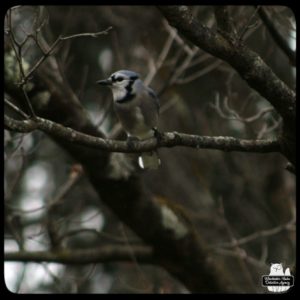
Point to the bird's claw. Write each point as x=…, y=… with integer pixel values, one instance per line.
x=157, y=134
x=131, y=140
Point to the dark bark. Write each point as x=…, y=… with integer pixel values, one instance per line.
x=168, y=139
x=247, y=63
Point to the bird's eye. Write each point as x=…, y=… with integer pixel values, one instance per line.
x=120, y=79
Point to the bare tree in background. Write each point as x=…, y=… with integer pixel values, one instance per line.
x=82, y=216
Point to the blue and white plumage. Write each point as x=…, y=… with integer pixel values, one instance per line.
x=137, y=107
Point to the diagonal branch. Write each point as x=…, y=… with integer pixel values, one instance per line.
x=16, y=109
x=54, y=46
x=230, y=114
x=168, y=139
x=277, y=37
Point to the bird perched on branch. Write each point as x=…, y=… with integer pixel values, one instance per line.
x=137, y=107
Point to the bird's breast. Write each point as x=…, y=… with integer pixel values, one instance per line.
x=133, y=121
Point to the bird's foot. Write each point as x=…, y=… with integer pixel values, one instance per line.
x=131, y=140
x=157, y=134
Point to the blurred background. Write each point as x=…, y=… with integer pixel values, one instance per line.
x=228, y=196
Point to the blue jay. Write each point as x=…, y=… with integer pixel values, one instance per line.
x=137, y=107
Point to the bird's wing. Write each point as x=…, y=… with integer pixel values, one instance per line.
x=149, y=106
x=153, y=95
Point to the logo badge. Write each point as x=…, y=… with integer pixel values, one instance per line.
x=278, y=281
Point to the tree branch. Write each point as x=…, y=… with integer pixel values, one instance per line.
x=54, y=45
x=245, y=61
x=249, y=24
x=277, y=37
x=168, y=139
x=230, y=114
x=16, y=109
x=103, y=254
x=224, y=20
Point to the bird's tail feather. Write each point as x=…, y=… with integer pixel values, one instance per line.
x=149, y=160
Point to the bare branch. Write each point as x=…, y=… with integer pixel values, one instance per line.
x=184, y=65
x=146, y=280
x=28, y=101
x=233, y=115
x=248, y=63
x=178, y=39
x=242, y=255
x=103, y=254
x=203, y=57
x=168, y=139
x=266, y=128
x=259, y=114
x=239, y=251
x=86, y=34
x=277, y=37
x=289, y=226
x=55, y=44
x=167, y=105
x=249, y=25
x=200, y=73
x=16, y=109
x=162, y=56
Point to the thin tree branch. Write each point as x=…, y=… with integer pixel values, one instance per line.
x=248, y=63
x=16, y=109
x=261, y=234
x=239, y=251
x=224, y=21
x=243, y=255
x=231, y=114
x=54, y=45
x=28, y=102
x=277, y=37
x=103, y=254
x=17, y=48
x=200, y=73
x=162, y=56
x=249, y=25
x=266, y=128
x=168, y=139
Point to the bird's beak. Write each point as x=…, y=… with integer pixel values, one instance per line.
x=104, y=82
